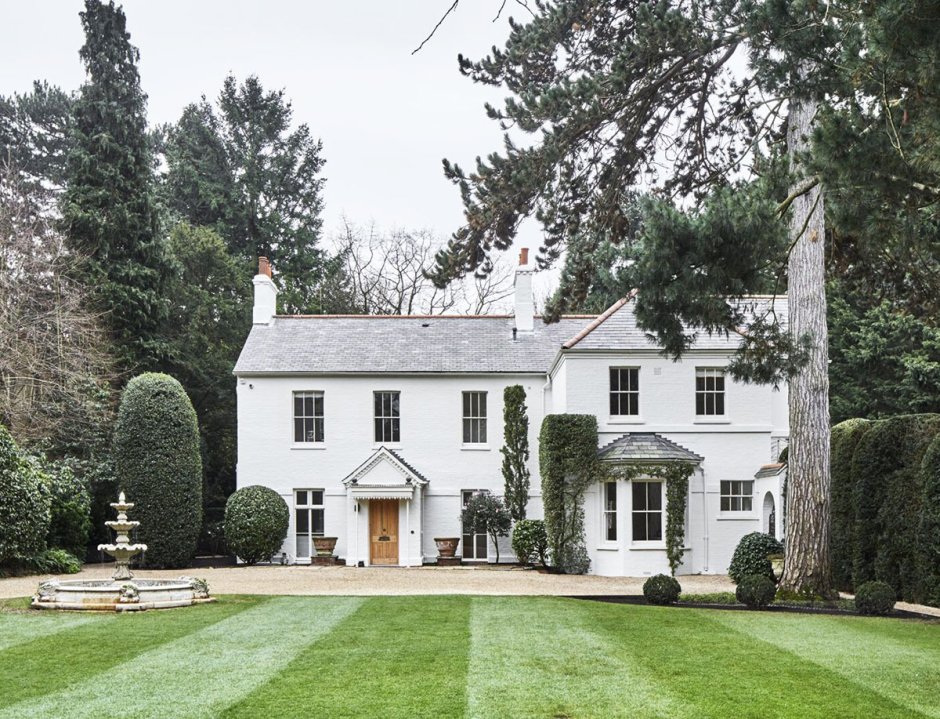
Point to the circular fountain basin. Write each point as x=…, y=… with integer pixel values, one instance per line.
x=130, y=595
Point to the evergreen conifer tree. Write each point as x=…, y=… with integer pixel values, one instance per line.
x=108, y=208
x=515, y=451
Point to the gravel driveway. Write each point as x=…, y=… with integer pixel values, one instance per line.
x=304, y=580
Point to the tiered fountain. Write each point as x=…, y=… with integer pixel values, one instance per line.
x=121, y=593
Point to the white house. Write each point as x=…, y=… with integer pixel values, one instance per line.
x=376, y=430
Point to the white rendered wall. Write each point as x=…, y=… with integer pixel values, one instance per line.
x=431, y=442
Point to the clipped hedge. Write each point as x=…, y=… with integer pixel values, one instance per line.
x=24, y=503
x=568, y=464
x=928, y=528
x=662, y=589
x=756, y=591
x=889, y=496
x=751, y=557
x=874, y=598
x=844, y=441
x=256, y=521
x=529, y=541
x=158, y=465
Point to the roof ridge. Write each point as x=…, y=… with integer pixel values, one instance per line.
x=419, y=317
x=599, y=320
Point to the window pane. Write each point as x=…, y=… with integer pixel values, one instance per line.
x=611, y=532
x=318, y=429
x=735, y=504
x=298, y=404
x=611, y=488
x=394, y=404
x=301, y=497
x=614, y=404
x=298, y=430
x=316, y=516
x=614, y=380
x=639, y=495
x=482, y=430
x=318, y=405
x=308, y=405
x=720, y=383
x=699, y=404
x=746, y=504
x=303, y=545
x=482, y=402
x=725, y=504
x=639, y=526
x=378, y=404
x=700, y=383
x=467, y=431
x=634, y=403
x=466, y=404
x=303, y=520
x=655, y=496
x=720, y=403
x=395, y=431
x=655, y=526
x=316, y=496
x=378, y=430
x=467, y=546
x=480, y=546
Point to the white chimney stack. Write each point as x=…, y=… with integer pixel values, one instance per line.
x=265, y=294
x=524, y=301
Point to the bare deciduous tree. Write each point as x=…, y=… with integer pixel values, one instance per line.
x=386, y=275
x=54, y=364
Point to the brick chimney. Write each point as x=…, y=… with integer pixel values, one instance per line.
x=524, y=306
x=265, y=294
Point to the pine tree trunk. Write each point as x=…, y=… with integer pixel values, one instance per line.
x=808, y=568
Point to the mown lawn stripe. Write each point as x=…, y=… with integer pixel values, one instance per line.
x=544, y=658
x=730, y=674
x=203, y=672
x=50, y=663
x=30, y=625
x=395, y=657
x=872, y=653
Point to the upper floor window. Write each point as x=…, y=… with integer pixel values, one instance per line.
x=387, y=417
x=474, y=417
x=709, y=392
x=610, y=511
x=737, y=495
x=308, y=416
x=624, y=391
x=647, y=511
x=308, y=508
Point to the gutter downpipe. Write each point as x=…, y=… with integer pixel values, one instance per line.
x=705, y=519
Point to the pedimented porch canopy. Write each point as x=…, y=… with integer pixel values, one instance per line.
x=384, y=475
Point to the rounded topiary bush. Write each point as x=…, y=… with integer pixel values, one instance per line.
x=71, y=510
x=24, y=503
x=158, y=465
x=755, y=590
x=751, y=556
x=662, y=589
x=256, y=520
x=529, y=541
x=874, y=598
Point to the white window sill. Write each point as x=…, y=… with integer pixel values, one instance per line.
x=475, y=448
x=387, y=445
x=647, y=547
x=608, y=547
x=626, y=419
x=737, y=517
x=309, y=445
x=718, y=419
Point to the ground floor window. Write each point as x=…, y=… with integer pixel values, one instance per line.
x=308, y=513
x=737, y=495
x=610, y=511
x=474, y=542
x=647, y=511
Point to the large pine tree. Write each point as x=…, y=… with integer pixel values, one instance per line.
x=108, y=208
x=715, y=109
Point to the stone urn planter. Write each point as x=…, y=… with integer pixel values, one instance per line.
x=776, y=563
x=324, y=546
x=446, y=546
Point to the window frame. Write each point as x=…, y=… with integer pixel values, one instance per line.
x=394, y=418
x=478, y=539
x=608, y=512
x=741, y=495
x=309, y=507
x=647, y=512
x=318, y=420
x=717, y=396
x=477, y=420
x=631, y=392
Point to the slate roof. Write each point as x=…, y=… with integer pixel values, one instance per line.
x=369, y=344
x=645, y=447
x=770, y=470
x=616, y=328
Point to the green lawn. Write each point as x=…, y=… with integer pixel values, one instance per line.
x=463, y=657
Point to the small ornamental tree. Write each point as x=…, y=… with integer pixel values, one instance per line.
x=24, y=503
x=568, y=464
x=529, y=541
x=256, y=522
x=159, y=466
x=487, y=513
x=515, y=451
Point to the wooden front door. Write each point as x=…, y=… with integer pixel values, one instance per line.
x=383, y=531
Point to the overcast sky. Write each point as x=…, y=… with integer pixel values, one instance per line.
x=386, y=117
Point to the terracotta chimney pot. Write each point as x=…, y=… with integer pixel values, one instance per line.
x=264, y=267
x=523, y=256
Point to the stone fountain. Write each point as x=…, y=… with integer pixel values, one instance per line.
x=122, y=592
x=122, y=550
